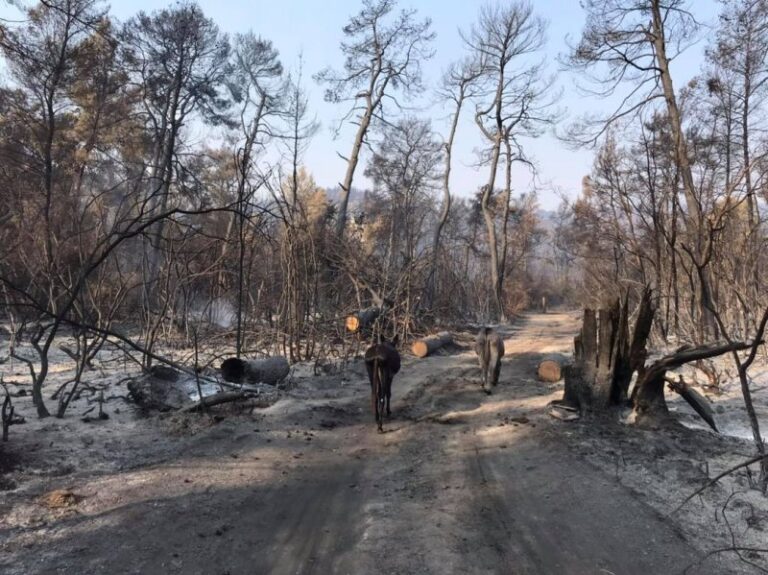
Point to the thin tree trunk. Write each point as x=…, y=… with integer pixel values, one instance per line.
x=446, y=207
x=372, y=102
x=694, y=215
x=490, y=224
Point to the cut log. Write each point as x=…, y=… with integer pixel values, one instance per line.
x=362, y=319
x=550, y=370
x=429, y=345
x=271, y=370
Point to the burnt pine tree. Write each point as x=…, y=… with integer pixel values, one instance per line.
x=513, y=101
x=383, y=52
x=179, y=61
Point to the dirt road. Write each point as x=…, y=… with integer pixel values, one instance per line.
x=460, y=482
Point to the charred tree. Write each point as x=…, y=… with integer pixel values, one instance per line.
x=606, y=360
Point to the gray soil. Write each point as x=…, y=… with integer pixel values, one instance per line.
x=460, y=482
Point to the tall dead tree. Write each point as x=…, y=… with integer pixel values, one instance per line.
x=457, y=87
x=739, y=57
x=513, y=101
x=628, y=43
x=179, y=61
x=258, y=87
x=41, y=54
x=383, y=56
x=302, y=230
x=404, y=166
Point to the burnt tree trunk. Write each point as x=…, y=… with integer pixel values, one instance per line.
x=648, y=396
x=605, y=358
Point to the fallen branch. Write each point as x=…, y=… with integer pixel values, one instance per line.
x=217, y=399
x=718, y=478
x=237, y=386
x=697, y=401
x=738, y=551
x=675, y=360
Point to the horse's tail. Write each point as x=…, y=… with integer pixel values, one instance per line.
x=381, y=390
x=378, y=377
x=488, y=343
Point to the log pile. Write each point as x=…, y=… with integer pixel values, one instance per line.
x=426, y=346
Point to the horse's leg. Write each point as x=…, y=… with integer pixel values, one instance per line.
x=495, y=365
x=379, y=399
x=488, y=374
x=388, y=391
x=379, y=413
x=496, y=371
x=481, y=361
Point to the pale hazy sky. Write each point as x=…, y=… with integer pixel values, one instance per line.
x=313, y=27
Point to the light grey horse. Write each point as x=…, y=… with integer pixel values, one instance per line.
x=490, y=349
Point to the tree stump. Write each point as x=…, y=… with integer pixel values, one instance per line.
x=161, y=392
x=429, y=345
x=605, y=358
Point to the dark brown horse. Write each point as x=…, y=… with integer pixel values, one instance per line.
x=489, y=346
x=382, y=362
